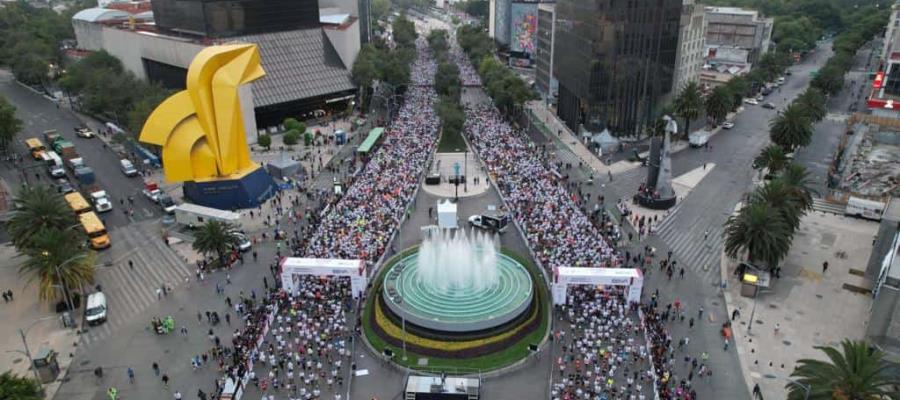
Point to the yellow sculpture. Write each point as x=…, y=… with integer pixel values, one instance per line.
x=201, y=129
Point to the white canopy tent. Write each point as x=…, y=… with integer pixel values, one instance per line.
x=447, y=214
x=564, y=277
x=294, y=267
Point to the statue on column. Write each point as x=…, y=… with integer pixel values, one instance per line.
x=657, y=193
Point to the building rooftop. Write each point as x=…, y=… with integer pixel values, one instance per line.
x=299, y=64
x=100, y=14
x=731, y=10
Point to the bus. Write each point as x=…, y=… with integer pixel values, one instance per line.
x=36, y=148
x=77, y=203
x=95, y=230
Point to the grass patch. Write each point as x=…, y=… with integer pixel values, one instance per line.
x=489, y=362
x=451, y=142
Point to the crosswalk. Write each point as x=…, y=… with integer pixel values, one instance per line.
x=697, y=247
x=130, y=291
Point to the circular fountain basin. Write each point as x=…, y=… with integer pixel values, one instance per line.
x=457, y=309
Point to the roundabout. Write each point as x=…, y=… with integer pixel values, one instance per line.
x=441, y=306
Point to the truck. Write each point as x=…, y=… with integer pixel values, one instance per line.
x=85, y=176
x=151, y=191
x=101, y=201
x=60, y=144
x=192, y=215
x=493, y=223
x=699, y=138
x=75, y=163
x=51, y=136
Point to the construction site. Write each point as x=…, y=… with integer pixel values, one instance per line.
x=867, y=161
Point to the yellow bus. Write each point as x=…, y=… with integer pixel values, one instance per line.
x=77, y=202
x=95, y=230
x=35, y=147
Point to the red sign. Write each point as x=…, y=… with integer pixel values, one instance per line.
x=879, y=79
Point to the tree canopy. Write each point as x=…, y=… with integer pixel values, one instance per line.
x=9, y=124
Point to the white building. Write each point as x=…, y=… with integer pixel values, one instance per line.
x=691, y=45
x=741, y=28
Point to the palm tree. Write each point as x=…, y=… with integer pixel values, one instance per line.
x=781, y=197
x=855, y=372
x=37, y=208
x=792, y=128
x=14, y=387
x=216, y=237
x=57, y=258
x=759, y=230
x=771, y=157
x=797, y=179
x=689, y=104
x=718, y=104
x=813, y=102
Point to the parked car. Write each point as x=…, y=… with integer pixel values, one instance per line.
x=244, y=244
x=760, y=97
x=751, y=101
x=63, y=186
x=769, y=106
x=728, y=125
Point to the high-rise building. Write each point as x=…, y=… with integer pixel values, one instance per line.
x=614, y=60
x=224, y=18
x=739, y=28
x=691, y=45
x=544, y=79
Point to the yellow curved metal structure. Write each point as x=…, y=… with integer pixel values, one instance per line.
x=201, y=129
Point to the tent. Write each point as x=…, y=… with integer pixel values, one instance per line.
x=284, y=168
x=447, y=214
x=605, y=141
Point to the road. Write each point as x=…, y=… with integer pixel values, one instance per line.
x=39, y=114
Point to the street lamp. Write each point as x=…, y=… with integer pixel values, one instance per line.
x=27, y=352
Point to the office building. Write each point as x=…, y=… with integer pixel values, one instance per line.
x=691, y=45
x=884, y=98
x=739, y=28
x=544, y=79
x=615, y=61
x=307, y=48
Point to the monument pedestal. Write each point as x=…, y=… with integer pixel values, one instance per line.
x=654, y=203
x=249, y=190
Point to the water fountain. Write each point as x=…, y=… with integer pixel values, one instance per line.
x=457, y=283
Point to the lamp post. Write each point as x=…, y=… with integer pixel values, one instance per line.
x=27, y=352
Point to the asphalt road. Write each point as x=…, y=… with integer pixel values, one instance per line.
x=39, y=114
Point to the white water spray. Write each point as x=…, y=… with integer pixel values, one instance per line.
x=454, y=261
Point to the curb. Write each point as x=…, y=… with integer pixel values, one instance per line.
x=739, y=345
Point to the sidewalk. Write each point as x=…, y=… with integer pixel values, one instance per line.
x=812, y=308
x=24, y=313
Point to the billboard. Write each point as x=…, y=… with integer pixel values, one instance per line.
x=523, y=29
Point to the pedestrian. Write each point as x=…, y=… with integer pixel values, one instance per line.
x=130, y=375
x=757, y=393
x=158, y=293
x=736, y=313
x=824, y=268
x=130, y=264
x=227, y=278
x=681, y=273
x=228, y=318
x=155, y=368
x=777, y=327
x=9, y=294
x=5, y=298
x=184, y=331
x=177, y=395
x=700, y=313
x=705, y=235
x=726, y=344
x=113, y=393
x=691, y=323
x=165, y=380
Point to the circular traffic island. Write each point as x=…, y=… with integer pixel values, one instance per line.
x=484, y=322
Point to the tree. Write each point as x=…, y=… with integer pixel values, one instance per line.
x=13, y=387
x=404, y=31
x=379, y=9
x=57, y=258
x=216, y=237
x=718, y=104
x=291, y=124
x=689, y=104
x=446, y=79
x=792, y=128
x=813, y=103
x=264, y=140
x=771, y=157
x=797, y=179
x=9, y=124
x=437, y=41
x=780, y=197
x=758, y=230
x=144, y=105
x=291, y=137
x=857, y=371
x=738, y=87
x=366, y=69
x=37, y=209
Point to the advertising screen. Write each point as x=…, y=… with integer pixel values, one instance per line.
x=524, y=27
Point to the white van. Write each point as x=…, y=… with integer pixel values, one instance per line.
x=863, y=208
x=95, y=312
x=128, y=168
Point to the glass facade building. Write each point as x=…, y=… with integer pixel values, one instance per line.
x=615, y=60
x=225, y=18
